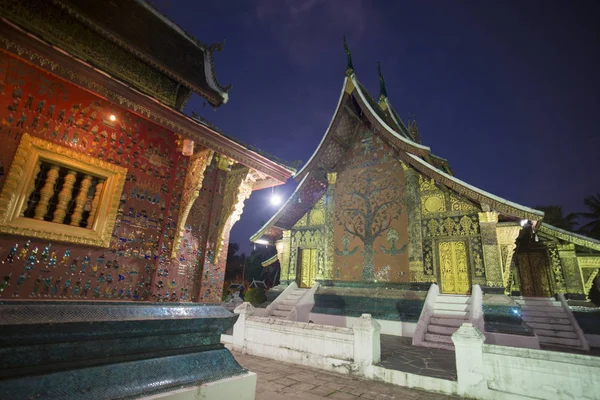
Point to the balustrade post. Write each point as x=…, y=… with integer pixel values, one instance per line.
x=64, y=197
x=46, y=193
x=80, y=200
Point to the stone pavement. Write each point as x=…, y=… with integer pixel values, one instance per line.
x=281, y=381
x=398, y=353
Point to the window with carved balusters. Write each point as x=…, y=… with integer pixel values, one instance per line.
x=53, y=192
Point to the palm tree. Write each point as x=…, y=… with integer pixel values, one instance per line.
x=592, y=227
x=553, y=215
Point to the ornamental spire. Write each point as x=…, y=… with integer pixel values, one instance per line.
x=382, y=89
x=349, y=66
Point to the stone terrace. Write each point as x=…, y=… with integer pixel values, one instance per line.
x=398, y=353
x=281, y=381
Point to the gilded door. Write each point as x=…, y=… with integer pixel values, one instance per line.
x=454, y=267
x=533, y=270
x=308, y=267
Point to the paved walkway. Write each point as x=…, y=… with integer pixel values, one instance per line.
x=281, y=381
x=398, y=353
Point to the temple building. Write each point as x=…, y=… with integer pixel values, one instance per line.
x=108, y=190
x=377, y=218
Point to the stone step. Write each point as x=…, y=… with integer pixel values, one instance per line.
x=435, y=337
x=546, y=320
x=284, y=307
x=451, y=306
x=280, y=313
x=546, y=307
x=553, y=327
x=560, y=341
x=443, y=321
x=543, y=314
x=288, y=302
x=449, y=298
x=536, y=301
x=557, y=333
x=443, y=330
x=450, y=313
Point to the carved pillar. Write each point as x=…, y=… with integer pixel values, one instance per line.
x=36, y=172
x=556, y=269
x=329, y=227
x=573, y=277
x=46, y=193
x=80, y=200
x=64, y=197
x=238, y=188
x=284, y=260
x=95, y=202
x=491, y=252
x=507, y=240
x=191, y=189
x=293, y=263
x=412, y=201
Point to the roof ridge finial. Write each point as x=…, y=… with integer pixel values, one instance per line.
x=413, y=128
x=349, y=66
x=382, y=89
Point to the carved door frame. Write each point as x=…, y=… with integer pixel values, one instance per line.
x=537, y=280
x=438, y=266
x=300, y=271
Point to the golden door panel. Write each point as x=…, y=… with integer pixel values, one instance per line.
x=308, y=267
x=533, y=269
x=454, y=267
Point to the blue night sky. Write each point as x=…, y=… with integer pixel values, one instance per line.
x=507, y=91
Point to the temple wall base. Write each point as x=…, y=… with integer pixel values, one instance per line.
x=241, y=387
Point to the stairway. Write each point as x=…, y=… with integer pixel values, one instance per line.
x=550, y=322
x=449, y=313
x=283, y=308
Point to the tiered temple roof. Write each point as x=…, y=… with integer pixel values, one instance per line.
x=356, y=103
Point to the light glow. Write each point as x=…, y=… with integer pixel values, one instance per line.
x=262, y=241
x=112, y=117
x=524, y=222
x=275, y=199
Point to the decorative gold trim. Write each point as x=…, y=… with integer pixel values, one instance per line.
x=238, y=188
x=332, y=178
x=569, y=237
x=191, y=190
x=588, y=262
x=587, y=285
x=20, y=178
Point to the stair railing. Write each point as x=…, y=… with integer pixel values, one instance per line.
x=580, y=335
x=291, y=287
x=305, y=304
x=426, y=313
x=477, y=308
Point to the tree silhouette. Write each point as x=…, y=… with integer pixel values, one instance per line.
x=371, y=201
x=553, y=215
x=592, y=226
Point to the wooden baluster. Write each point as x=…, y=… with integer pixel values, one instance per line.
x=64, y=197
x=46, y=193
x=36, y=172
x=80, y=200
x=90, y=220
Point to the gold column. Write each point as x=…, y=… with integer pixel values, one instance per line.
x=64, y=197
x=329, y=227
x=80, y=200
x=46, y=193
x=287, y=272
x=488, y=221
x=507, y=240
x=95, y=201
x=412, y=199
x=573, y=277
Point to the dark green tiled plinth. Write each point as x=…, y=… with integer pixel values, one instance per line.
x=88, y=350
x=505, y=319
x=386, y=308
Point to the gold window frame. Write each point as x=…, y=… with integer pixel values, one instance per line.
x=20, y=178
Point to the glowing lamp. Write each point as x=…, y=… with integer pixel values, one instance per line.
x=112, y=117
x=262, y=241
x=524, y=222
x=275, y=199
x=188, y=147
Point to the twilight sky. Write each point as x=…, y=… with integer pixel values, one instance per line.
x=507, y=91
